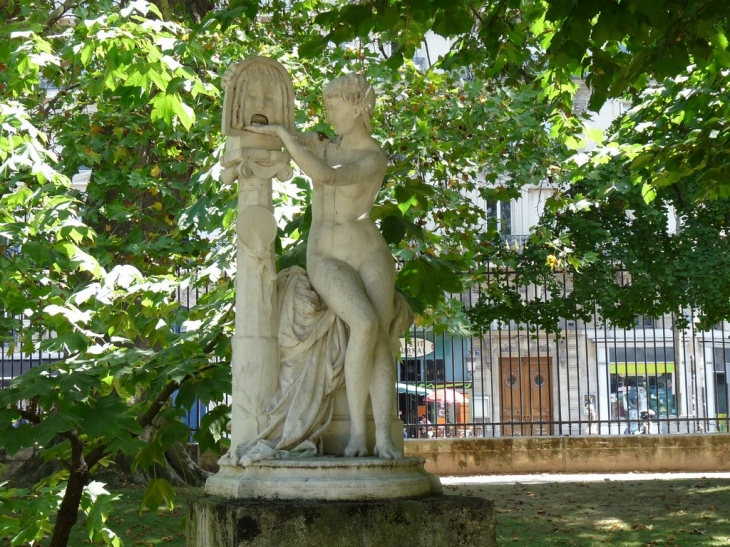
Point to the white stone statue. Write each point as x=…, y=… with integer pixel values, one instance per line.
x=349, y=263
x=300, y=336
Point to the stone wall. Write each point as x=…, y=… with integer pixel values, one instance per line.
x=594, y=454
x=10, y=464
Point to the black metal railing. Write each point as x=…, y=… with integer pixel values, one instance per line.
x=588, y=378
x=513, y=380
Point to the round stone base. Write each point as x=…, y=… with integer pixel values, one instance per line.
x=451, y=521
x=325, y=478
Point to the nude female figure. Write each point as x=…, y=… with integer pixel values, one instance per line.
x=348, y=261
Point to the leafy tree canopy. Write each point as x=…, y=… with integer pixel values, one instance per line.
x=671, y=241
x=130, y=93
x=617, y=45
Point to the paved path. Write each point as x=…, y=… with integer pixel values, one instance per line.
x=576, y=477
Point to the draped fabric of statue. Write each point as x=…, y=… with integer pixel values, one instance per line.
x=312, y=344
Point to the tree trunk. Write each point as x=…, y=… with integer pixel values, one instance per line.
x=189, y=472
x=179, y=470
x=68, y=513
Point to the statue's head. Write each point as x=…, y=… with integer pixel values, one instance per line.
x=355, y=90
x=258, y=91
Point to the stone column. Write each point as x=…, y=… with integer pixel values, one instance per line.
x=257, y=91
x=255, y=347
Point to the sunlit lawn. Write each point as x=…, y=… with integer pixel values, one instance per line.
x=667, y=513
x=148, y=529
x=680, y=513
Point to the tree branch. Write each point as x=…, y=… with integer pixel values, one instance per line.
x=32, y=417
x=77, y=479
x=58, y=13
x=153, y=410
x=495, y=12
x=476, y=13
x=680, y=197
x=381, y=48
x=93, y=457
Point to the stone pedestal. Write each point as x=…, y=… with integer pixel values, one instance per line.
x=325, y=478
x=451, y=521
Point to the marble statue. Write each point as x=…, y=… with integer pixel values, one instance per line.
x=349, y=263
x=314, y=352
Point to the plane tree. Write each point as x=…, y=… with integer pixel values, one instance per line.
x=100, y=278
x=667, y=157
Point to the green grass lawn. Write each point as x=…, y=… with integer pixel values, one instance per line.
x=681, y=513
x=666, y=513
x=148, y=529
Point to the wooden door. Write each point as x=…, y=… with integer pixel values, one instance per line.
x=526, y=396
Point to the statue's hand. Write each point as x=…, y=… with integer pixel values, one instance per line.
x=271, y=130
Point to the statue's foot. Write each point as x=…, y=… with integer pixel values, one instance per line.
x=388, y=451
x=356, y=448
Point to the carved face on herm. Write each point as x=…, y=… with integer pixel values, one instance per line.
x=258, y=91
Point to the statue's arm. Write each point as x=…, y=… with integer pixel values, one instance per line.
x=309, y=161
x=315, y=141
x=371, y=164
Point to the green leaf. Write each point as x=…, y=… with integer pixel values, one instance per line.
x=313, y=47
x=79, y=258
x=427, y=279
x=213, y=427
x=394, y=229
x=168, y=106
x=641, y=160
x=157, y=492
x=106, y=417
x=648, y=192
x=49, y=427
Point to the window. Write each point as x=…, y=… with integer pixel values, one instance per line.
x=410, y=371
x=643, y=321
x=662, y=354
x=499, y=216
x=482, y=408
x=641, y=378
x=435, y=371
x=722, y=358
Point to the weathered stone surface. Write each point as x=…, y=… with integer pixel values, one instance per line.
x=10, y=464
x=325, y=478
x=591, y=454
x=451, y=521
x=299, y=336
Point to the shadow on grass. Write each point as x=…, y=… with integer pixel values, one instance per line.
x=666, y=513
x=681, y=513
x=148, y=529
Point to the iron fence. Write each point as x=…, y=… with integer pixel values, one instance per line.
x=588, y=378
x=512, y=380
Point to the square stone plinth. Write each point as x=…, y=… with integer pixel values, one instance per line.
x=448, y=521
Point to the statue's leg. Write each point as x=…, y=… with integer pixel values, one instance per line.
x=378, y=276
x=382, y=393
x=342, y=290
